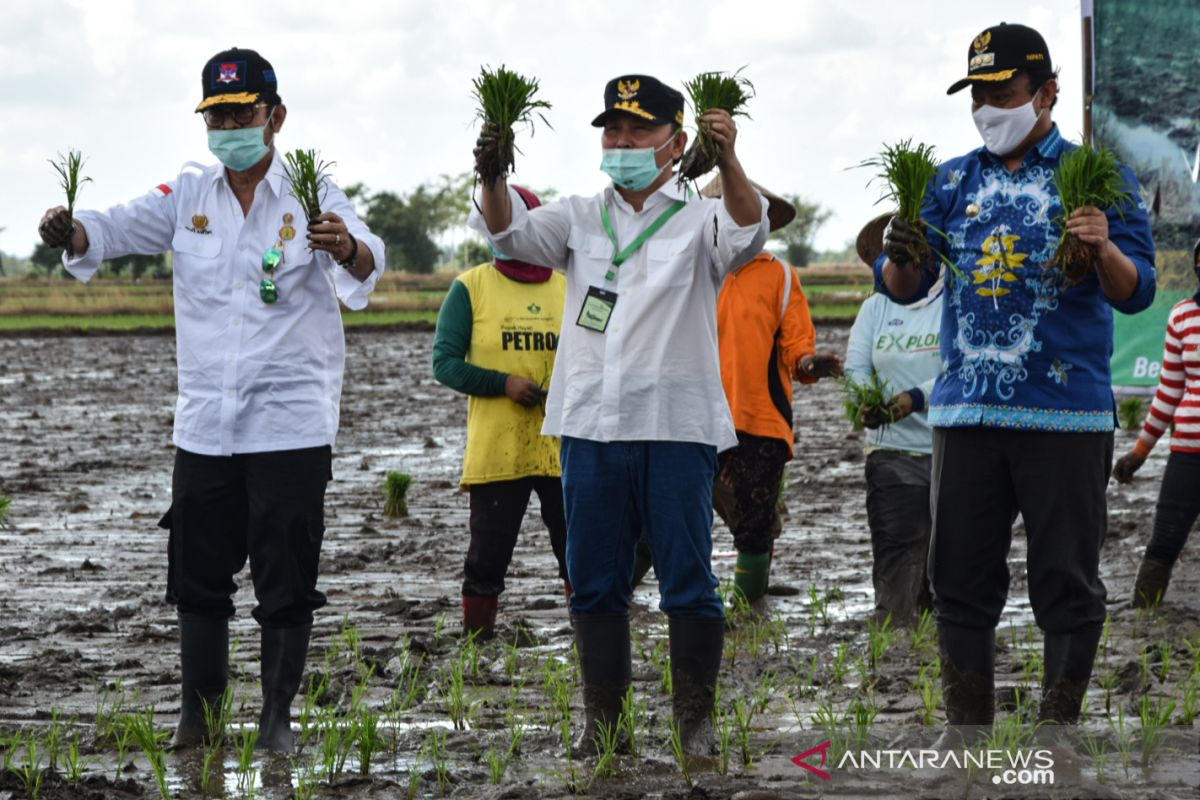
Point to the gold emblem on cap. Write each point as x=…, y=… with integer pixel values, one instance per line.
x=199, y=222
x=982, y=41
x=627, y=90
x=973, y=210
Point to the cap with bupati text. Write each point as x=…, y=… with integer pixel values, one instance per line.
x=644, y=97
x=1001, y=51
x=237, y=76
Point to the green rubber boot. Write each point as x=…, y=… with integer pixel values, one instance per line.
x=750, y=575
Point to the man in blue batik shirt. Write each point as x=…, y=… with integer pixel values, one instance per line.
x=1023, y=409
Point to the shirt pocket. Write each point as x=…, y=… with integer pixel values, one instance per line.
x=591, y=255
x=196, y=261
x=669, y=262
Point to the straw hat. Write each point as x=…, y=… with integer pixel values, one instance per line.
x=870, y=239
x=779, y=211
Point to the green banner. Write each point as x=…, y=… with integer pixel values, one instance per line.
x=1145, y=68
x=1138, y=341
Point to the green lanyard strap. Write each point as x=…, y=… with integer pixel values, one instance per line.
x=622, y=255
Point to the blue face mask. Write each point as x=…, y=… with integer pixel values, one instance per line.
x=239, y=149
x=632, y=167
x=496, y=253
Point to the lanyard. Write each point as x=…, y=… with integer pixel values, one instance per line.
x=622, y=255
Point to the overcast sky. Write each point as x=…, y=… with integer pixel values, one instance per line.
x=383, y=88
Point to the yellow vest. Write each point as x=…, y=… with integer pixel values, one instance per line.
x=514, y=329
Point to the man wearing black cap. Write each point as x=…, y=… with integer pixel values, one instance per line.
x=1023, y=410
x=261, y=355
x=637, y=395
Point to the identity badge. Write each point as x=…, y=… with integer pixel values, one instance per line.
x=597, y=309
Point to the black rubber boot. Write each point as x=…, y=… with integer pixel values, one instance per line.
x=606, y=664
x=1151, y=583
x=968, y=683
x=204, y=659
x=283, y=654
x=1068, y=661
x=697, y=646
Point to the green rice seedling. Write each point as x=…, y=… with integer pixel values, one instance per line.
x=74, y=764
x=923, y=636
x=151, y=741
x=1189, y=701
x=666, y=682
x=841, y=663
x=818, y=606
x=906, y=173
x=1123, y=738
x=358, y=694
x=1144, y=671
x=396, y=496
x=30, y=770
x=1164, y=661
x=514, y=722
x=53, y=740
x=862, y=720
x=834, y=725
x=743, y=724
x=217, y=718
x=675, y=741
x=1097, y=749
x=369, y=740
x=929, y=689
x=350, y=643
x=706, y=92
x=1033, y=667
x=439, y=761
x=122, y=740
x=310, y=714
x=1086, y=176
x=1154, y=715
x=1106, y=637
x=505, y=100
x=306, y=784
x=880, y=637
x=1108, y=680
x=608, y=739
x=870, y=398
x=631, y=720
x=9, y=746
x=511, y=655
x=110, y=712
x=460, y=706
x=70, y=179
x=1131, y=412
x=308, y=178
x=5, y=502
x=414, y=785
x=244, y=742
x=497, y=764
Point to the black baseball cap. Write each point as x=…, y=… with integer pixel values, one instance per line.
x=237, y=76
x=1000, y=52
x=644, y=97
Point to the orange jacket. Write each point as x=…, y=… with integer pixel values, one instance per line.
x=760, y=347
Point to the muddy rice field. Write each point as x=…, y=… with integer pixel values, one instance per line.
x=398, y=704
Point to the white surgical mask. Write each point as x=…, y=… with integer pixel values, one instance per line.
x=1003, y=129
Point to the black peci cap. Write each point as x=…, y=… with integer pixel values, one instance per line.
x=1001, y=51
x=237, y=76
x=644, y=97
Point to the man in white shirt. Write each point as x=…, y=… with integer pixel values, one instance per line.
x=261, y=352
x=637, y=395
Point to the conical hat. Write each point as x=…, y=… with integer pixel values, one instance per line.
x=779, y=211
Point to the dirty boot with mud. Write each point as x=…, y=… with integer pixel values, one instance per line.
x=697, y=646
x=605, y=664
x=1151, y=583
x=283, y=653
x=204, y=658
x=1068, y=659
x=479, y=616
x=968, y=684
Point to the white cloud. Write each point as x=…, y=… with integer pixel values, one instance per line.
x=384, y=88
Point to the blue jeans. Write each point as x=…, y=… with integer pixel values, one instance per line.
x=616, y=492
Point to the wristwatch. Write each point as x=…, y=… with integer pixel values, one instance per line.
x=348, y=261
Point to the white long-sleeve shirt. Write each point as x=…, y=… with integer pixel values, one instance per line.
x=253, y=377
x=655, y=373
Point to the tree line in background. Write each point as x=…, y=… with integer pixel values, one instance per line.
x=426, y=228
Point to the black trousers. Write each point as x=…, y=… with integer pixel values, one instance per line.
x=1177, y=509
x=746, y=491
x=982, y=477
x=269, y=507
x=898, y=513
x=496, y=512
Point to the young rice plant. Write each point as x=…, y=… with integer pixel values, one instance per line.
x=307, y=174
x=708, y=91
x=68, y=168
x=505, y=100
x=1086, y=176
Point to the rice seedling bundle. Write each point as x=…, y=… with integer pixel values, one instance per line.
x=307, y=174
x=708, y=91
x=906, y=173
x=69, y=168
x=872, y=397
x=1086, y=176
x=505, y=100
x=396, y=494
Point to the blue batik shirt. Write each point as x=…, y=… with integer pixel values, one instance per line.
x=1020, y=348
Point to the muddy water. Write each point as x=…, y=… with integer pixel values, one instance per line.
x=85, y=428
